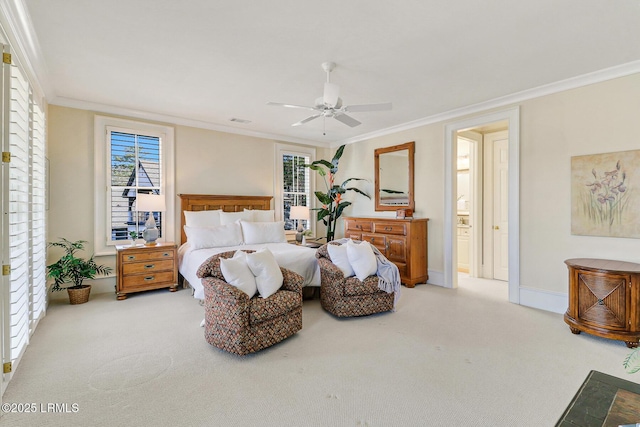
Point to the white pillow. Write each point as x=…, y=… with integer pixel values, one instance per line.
x=362, y=259
x=264, y=266
x=236, y=272
x=202, y=218
x=213, y=237
x=231, y=217
x=263, y=232
x=338, y=255
x=261, y=215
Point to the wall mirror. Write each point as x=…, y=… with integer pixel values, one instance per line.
x=394, y=177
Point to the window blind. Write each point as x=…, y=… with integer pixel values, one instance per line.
x=19, y=212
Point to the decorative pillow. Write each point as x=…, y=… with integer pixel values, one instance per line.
x=231, y=217
x=202, y=218
x=264, y=266
x=263, y=232
x=338, y=255
x=362, y=259
x=236, y=272
x=213, y=237
x=261, y=215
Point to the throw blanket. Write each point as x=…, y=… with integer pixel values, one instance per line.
x=388, y=273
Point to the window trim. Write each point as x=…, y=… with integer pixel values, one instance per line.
x=281, y=150
x=102, y=243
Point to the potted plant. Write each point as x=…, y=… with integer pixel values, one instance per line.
x=632, y=361
x=73, y=270
x=331, y=200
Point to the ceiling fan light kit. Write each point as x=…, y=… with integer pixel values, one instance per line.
x=329, y=105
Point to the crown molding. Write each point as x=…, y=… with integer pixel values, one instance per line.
x=174, y=120
x=548, y=89
x=16, y=21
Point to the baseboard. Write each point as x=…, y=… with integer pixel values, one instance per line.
x=436, y=278
x=544, y=300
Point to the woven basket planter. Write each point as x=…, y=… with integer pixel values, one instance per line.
x=79, y=296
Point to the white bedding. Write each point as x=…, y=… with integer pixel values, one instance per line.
x=300, y=259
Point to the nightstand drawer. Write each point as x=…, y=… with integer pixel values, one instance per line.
x=144, y=267
x=151, y=279
x=148, y=255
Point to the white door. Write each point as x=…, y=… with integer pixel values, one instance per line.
x=500, y=205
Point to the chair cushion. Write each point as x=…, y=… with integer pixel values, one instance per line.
x=276, y=305
x=355, y=287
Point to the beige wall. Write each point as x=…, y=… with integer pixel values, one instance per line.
x=593, y=119
x=598, y=118
x=207, y=162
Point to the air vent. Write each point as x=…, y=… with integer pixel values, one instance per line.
x=237, y=120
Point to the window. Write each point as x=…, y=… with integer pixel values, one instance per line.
x=131, y=158
x=294, y=185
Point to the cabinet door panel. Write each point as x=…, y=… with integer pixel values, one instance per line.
x=397, y=249
x=603, y=299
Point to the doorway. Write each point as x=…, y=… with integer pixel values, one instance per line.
x=482, y=201
x=510, y=185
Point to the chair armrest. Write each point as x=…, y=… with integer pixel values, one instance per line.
x=327, y=267
x=292, y=281
x=218, y=288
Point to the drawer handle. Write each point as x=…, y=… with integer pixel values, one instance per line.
x=388, y=228
x=149, y=266
x=166, y=254
x=131, y=257
x=373, y=239
x=358, y=227
x=149, y=278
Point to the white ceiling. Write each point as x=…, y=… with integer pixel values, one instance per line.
x=212, y=60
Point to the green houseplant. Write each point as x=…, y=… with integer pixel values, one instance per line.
x=632, y=361
x=73, y=270
x=332, y=203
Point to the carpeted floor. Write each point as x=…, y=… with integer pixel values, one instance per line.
x=445, y=357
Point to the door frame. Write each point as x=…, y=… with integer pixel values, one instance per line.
x=512, y=116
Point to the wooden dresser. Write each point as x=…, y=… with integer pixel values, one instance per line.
x=142, y=268
x=402, y=241
x=604, y=299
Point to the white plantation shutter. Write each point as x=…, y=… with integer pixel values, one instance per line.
x=38, y=238
x=19, y=212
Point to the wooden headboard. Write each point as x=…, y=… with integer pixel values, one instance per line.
x=207, y=202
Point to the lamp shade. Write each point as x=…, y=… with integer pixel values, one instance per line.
x=299, y=212
x=151, y=203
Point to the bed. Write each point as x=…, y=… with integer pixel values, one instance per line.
x=195, y=250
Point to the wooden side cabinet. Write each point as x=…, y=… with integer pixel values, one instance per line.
x=402, y=241
x=604, y=299
x=142, y=268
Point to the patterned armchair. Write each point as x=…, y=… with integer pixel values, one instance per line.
x=349, y=297
x=241, y=325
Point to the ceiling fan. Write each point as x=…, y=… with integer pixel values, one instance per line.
x=330, y=104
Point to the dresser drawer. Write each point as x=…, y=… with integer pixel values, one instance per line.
x=145, y=267
x=377, y=240
x=148, y=280
x=357, y=225
x=353, y=236
x=148, y=255
x=397, y=228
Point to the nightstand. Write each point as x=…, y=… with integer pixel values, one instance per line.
x=143, y=268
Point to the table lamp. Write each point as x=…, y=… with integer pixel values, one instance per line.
x=150, y=203
x=299, y=213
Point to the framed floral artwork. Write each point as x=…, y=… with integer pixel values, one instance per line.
x=604, y=194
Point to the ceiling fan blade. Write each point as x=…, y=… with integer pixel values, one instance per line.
x=347, y=120
x=304, y=107
x=308, y=119
x=331, y=93
x=368, y=107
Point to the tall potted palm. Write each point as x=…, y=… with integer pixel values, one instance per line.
x=73, y=270
x=331, y=200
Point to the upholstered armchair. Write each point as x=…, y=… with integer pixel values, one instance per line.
x=349, y=297
x=241, y=325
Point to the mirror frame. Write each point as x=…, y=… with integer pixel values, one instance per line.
x=411, y=147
